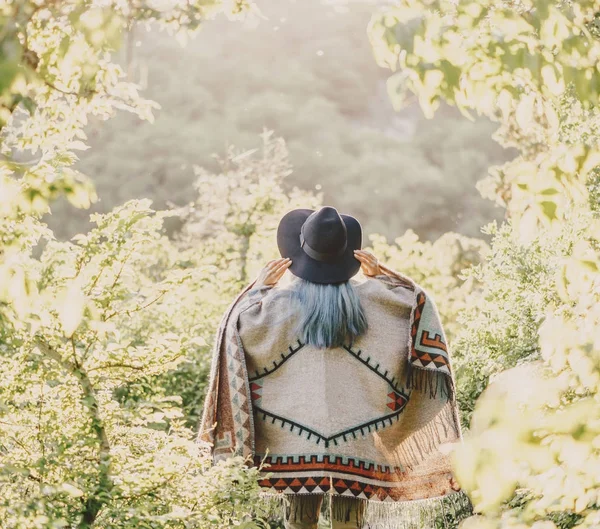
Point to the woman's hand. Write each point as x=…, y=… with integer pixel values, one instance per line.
x=368, y=263
x=272, y=272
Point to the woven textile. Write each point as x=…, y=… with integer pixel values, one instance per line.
x=373, y=420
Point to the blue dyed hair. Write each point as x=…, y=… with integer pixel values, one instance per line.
x=331, y=315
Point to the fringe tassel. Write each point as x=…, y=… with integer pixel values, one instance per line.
x=304, y=508
x=427, y=380
x=417, y=447
x=441, y=512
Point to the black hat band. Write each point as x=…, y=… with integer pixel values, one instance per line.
x=320, y=256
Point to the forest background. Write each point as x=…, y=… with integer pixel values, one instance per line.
x=106, y=324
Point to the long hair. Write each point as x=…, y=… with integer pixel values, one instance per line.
x=331, y=315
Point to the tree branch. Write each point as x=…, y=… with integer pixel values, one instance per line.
x=131, y=311
x=94, y=501
x=116, y=366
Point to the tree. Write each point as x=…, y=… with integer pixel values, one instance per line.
x=57, y=71
x=530, y=66
x=78, y=449
x=75, y=448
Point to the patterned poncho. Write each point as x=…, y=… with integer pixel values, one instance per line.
x=373, y=420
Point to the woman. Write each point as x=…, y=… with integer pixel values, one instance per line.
x=343, y=387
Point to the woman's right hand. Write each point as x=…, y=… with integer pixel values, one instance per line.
x=368, y=263
x=272, y=272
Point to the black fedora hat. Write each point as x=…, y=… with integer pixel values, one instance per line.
x=320, y=244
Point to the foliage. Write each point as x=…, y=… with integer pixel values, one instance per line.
x=305, y=70
x=540, y=433
x=497, y=327
x=82, y=321
x=106, y=315
x=521, y=80
x=55, y=60
x=531, y=66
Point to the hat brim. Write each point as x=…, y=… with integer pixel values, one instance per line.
x=304, y=266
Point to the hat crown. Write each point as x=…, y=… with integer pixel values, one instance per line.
x=325, y=231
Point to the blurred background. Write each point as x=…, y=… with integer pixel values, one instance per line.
x=305, y=70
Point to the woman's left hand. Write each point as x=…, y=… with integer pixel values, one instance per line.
x=273, y=272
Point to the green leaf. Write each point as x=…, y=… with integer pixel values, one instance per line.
x=549, y=191
x=549, y=209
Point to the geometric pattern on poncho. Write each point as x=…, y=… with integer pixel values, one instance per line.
x=396, y=402
x=342, y=486
x=292, y=350
x=237, y=381
x=427, y=351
